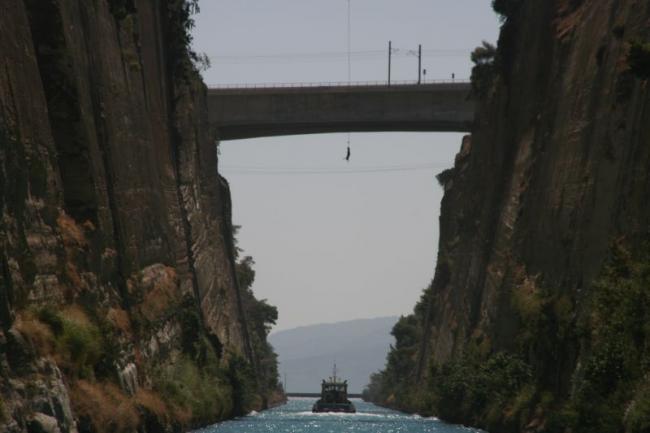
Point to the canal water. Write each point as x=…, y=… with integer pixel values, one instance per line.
x=296, y=417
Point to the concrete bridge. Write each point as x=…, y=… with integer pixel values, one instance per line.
x=317, y=395
x=268, y=111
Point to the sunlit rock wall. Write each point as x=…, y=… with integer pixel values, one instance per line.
x=113, y=214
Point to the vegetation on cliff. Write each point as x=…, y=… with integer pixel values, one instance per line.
x=506, y=8
x=261, y=317
x=485, y=70
x=121, y=8
x=396, y=385
x=638, y=59
x=490, y=62
x=612, y=388
x=610, y=391
x=196, y=386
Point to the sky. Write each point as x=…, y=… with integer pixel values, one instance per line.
x=335, y=240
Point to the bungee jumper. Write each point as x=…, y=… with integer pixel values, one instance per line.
x=347, y=156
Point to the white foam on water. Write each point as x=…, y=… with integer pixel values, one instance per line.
x=428, y=418
x=344, y=414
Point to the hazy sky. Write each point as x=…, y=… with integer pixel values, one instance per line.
x=338, y=246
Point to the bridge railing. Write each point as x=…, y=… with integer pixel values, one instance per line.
x=335, y=84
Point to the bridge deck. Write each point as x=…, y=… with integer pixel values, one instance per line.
x=302, y=85
x=317, y=395
x=267, y=111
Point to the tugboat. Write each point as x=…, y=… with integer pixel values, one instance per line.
x=334, y=396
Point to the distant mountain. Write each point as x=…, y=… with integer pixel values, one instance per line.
x=359, y=347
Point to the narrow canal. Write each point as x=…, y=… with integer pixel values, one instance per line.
x=296, y=417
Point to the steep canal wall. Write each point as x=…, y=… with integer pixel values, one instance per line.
x=119, y=303
x=536, y=318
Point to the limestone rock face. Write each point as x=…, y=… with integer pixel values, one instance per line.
x=41, y=423
x=558, y=168
x=112, y=210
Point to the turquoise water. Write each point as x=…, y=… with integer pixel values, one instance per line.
x=296, y=417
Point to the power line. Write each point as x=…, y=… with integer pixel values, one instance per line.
x=269, y=167
x=260, y=170
x=331, y=56
x=433, y=51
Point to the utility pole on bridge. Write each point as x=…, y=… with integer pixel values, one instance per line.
x=390, y=53
x=420, y=64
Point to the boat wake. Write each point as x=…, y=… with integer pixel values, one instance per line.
x=296, y=416
x=344, y=414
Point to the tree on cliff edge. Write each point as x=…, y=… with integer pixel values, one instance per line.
x=484, y=69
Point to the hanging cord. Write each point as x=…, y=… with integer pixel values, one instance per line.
x=347, y=157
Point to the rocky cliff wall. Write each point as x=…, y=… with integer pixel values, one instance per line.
x=118, y=282
x=544, y=228
x=555, y=170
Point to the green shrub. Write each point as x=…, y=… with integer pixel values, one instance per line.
x=261, y=317
x=244, y=387
x=619, y=30
x=84, y=345
x=562, y=419
x=397, y=384
x=506, y=8
x=527, y=301
x=79, y=344
x=207, y=395
x=52, y=318
x=471, y=388
x=638, y=417
x=620, y=348
x=180, y=25
x=522, y=401
x=121, y=8
x=445, y=176
x=484, y=70
x=638, y=59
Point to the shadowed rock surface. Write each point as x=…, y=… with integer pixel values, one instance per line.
x=545, y=215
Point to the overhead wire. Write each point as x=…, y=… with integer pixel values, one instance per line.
x=265, y=170
x=329, y=56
